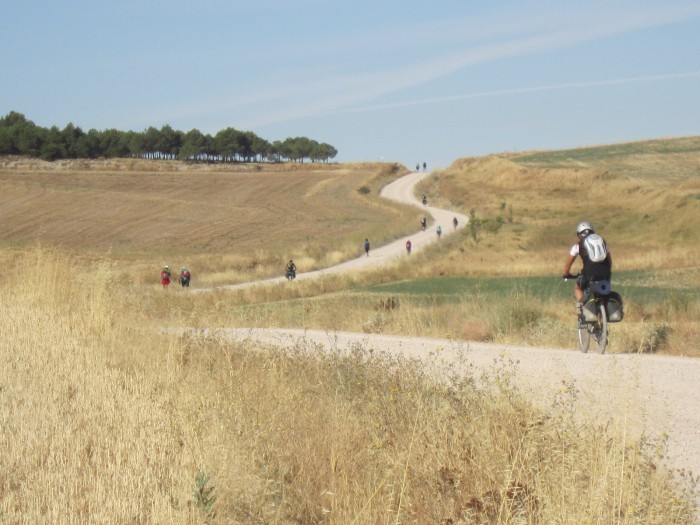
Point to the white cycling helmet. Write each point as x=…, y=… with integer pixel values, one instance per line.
x=584, y=227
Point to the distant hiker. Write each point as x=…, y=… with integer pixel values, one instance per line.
x=438, y=230
x=423, y=223
x=367, y=247
x=454, y=222
x=185, y=277
x=425, y=166
x=424, y=200
x=408, y=247
x=418, y=167
x=165, y=277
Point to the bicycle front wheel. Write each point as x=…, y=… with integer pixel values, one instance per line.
x=600, y=331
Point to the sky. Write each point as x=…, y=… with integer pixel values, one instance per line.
x=407, y=81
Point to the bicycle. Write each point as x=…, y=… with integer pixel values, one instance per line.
x=593, y=317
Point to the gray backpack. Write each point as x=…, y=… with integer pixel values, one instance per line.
x=596, y=248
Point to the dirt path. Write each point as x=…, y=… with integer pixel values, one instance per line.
x=639, y=393
x=401, y=190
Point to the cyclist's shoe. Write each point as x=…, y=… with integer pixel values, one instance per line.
x=581, y=321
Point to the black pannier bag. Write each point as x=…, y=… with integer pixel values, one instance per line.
x=588, y=311
x=615, y=308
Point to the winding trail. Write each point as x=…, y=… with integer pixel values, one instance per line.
x=401, y=190
x=639, y=394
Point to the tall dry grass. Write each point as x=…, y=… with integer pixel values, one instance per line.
x=108, y=419
x=85, y=436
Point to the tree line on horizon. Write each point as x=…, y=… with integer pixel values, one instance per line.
x=20, y=136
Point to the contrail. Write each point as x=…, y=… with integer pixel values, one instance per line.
x=516, y=91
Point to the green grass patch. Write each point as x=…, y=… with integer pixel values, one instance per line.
x=453, y=289
x=571, y=157
x=650, y=286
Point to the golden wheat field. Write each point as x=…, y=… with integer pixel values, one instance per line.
x=234, y=220
x=109, y=416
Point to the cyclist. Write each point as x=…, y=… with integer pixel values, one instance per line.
x=597, y=261
x=408, y=247
x=291, y=270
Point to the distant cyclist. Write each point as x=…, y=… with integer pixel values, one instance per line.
x=438, y=230
x=408, y=247
x=455, y=223
x=423, y=223
x=291, y=272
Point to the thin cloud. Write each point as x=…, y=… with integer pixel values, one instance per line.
x=518, y=91
x=335, y=95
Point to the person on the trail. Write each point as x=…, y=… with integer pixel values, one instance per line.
x=424, y=200
x=454, y=222
x=367, y=247
x=408, y=247
x=185, y=277
x=425, y=166
x=418, y=167
x=423, y=223
x=438, y=230
x=165, y=276
x=596, y=258
x=291, y=270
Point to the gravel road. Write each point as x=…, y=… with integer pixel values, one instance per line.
x=639, y=393
x=401, y=190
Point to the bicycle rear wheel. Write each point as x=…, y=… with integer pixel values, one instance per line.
x=600, y=330
x=584, y=336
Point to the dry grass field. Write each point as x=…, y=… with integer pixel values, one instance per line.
x=228, y=223
x=643, y=197
x=106, y=418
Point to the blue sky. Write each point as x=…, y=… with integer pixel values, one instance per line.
x=398, y=80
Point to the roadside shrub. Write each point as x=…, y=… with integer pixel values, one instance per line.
x=644, y=338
